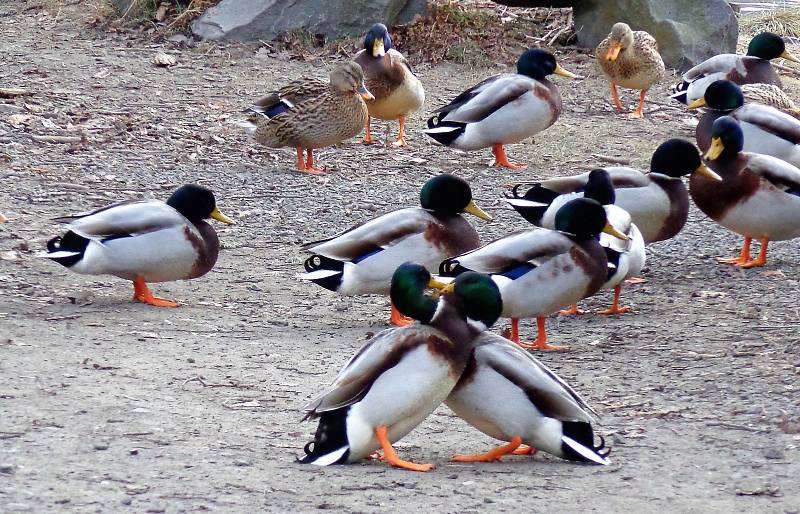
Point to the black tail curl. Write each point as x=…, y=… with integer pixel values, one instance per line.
x=582, y=433
x=679, y=92
x=320, y=262
x=331, y=436
x=451, y=268
x=69, y=242
x=536, y=193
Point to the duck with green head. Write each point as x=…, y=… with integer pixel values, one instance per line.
x=143, y=241
x=401, y=375
x=503, y=109
x=755, y=67
x=766, y=129
x=540, y=271
x=759, y=196
x=362, y=259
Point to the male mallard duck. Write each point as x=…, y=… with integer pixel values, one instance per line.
x=389, y=77
x=766, y=129
x=657, y=201
x=539, y=271
x=625, y=258
x=143, y=241
x=361, y=260
x=630, y=59
x=401, y=375
x=503, y=109
x=506, y=393
x=310, y=114
x=742, y=69
x=759, y=196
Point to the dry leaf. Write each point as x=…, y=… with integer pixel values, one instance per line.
x=18, y=119
x=10, y=92
x=166, y=60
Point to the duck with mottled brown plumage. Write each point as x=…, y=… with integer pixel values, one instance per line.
x=310, y=114
x=631, y=60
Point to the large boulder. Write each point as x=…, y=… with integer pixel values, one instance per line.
x=687, y=31
x=244, y=20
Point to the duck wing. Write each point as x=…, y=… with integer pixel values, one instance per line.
x=525, y=247
x=285, y=98
x=770, y=120
x=778, y=172
x=379, y=354
x=375, y=234
x=486, y=98
x=124, y=219
x=722, y=63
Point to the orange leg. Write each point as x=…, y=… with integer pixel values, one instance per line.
x=310, y=168
x=398, y=319
x=301, y=163
x=615, y=308
x=615, y=97
x=762, y=256
x=744, y=255
x=541, y=339
x=142, y=294
x=492, y=455
x=524, y=449
x=401, y=137
x=500, y=159
x=368, y=137
x=572, y=311
x=391, y=457
x=639, y=112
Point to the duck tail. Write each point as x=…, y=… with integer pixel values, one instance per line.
x=452, y=268
x=679, y=92
x=577, y=443
x=323, y=271
x=533, y=204
x=67, y=249
x=444, y=132
x=330, y=445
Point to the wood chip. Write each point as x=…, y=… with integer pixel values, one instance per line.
x=165, y=60
x=11, y=92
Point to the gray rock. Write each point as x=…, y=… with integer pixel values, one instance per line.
x=244, y=20
x=688, y=32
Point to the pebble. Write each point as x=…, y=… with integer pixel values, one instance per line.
x=126, y=501
x=101, y=446
x=242, y=463
x=618, y=439
x=773, y=454
x=7, y=469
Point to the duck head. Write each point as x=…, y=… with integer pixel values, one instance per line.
x=584, y=218
x=349, y=78
x=448, y=194
x=537, y=64
x=621, y=39
x=769, y=46
x=599, y=187
x=727, y=139
x=196, y=203
x=677, y=158
x=377, y=40
x=721, y=95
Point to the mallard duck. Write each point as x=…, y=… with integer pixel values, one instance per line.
x=503, y=109
x=742, y=69
x=657, y=201
x=769, y=94
x=539, y=271
x=311, y=114
x=766, y=129
x=759, y=196
x=143, y=241
x=625, y=258
x=401, y=375
x=630, y=59
x=362, y=259
x=389, y=77
x=507, y=394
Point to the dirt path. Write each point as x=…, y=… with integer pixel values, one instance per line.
x=110, y=406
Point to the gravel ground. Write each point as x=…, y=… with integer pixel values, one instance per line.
x=111, y=406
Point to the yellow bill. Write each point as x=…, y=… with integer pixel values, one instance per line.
x=789, y=57
x=435, y=283
x=217, y=215
x=609, y=229
x=715, y=150
x=707, y=172
x=700, y=102
x=473, y=209
x=378, y=50
x=564, y=73
x=613, y=52
x=364, y=92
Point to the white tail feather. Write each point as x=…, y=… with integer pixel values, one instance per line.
x=330, y=458
x=521, y=202
x=318, y=274
x=582, y=450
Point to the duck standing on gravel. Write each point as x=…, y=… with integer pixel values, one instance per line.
x=401, y=375
x=362, y=260
x=753, y=68
x=657, y=201
x=143, y=241
x=540, y=271
x=310, y=113
x=503, y=109
x=759, y=196
x=630, y=59
x=389, y=78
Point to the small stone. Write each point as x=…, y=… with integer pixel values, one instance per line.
x=488, y=500
x=126, y=501
x=7, y=469
x=618, y=439
x=100, y=446
x=773, y=454
x=10, y=109
x=242, y=463
x=190, y=360
x=133, y=451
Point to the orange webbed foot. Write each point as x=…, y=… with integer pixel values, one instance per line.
x=543, y=345
x=615, y=310
x=493, y=455
x=635, y=280
x=572, y=311
x=141, y=293
x=524, y=449
x=381, y=433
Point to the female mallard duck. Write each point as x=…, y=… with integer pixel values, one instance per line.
x=389, y=77
x=759, y=196
x=766, y=129
x=539, y=271
x=658, y=202
x=143, y=241
x=506, y=393
x=401, y=375
x=503, y=109
x=741, y=69
x=311, y=114
x=361, y=260
x=625, y=258
x=769, y=94
x=630, y=59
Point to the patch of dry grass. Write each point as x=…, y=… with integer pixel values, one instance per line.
x=784, y=22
